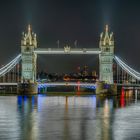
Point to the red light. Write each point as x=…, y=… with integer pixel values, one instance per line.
x=78, y=85
x=122, y=98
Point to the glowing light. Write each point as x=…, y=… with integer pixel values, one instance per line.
x=72, y=51
x=128, y=69
x=78, y=85
x=122, y=100
x=29, y=28
x=137, y=73
x=106, y=108
x=10, y=62
x=10, y=65
x=106, y=28
x=86, y=85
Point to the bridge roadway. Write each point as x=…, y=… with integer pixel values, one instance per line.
x=67, y=51
x=67, y=84
x=128, y=86
x=54, y=84
x=8, y=84
x=70, y=83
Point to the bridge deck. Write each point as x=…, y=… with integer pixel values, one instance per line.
x=54, y=84
x=67, y=51
x=8, y=84
x=67, y=84
x=129, y=85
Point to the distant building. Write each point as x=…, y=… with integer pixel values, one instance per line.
x=85, y=71
x=94, y=73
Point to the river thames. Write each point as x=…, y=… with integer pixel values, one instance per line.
x=45, y=117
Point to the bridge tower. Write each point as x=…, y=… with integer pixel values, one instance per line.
x=28, y=44
x=106, y=56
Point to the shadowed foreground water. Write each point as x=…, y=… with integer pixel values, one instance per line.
x=70, y=118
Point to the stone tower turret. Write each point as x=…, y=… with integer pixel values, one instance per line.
x=106, y=56
x=28, y=45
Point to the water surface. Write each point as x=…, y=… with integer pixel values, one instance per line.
x=45, y=117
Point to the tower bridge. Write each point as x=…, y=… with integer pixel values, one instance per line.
x=122, y=75
x=29, y=53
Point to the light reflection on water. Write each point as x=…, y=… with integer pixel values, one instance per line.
x=70, y=118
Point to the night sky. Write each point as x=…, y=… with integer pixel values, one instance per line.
x=67, y=21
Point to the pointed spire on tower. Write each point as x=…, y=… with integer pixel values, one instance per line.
x=29, y=28
x=106, y=28
x=106, y=38
x=29, y=38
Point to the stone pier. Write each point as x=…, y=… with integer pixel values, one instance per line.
x=103, y=88
x=27, y=88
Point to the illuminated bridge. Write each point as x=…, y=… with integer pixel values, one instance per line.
x=112, y=69
x=74, y=84
x=67, y=50
x=67, y=84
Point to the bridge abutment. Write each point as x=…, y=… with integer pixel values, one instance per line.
x=27, y=88
x=104, y=88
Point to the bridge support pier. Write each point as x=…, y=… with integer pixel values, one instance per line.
x=27, y=88
x=103, y=88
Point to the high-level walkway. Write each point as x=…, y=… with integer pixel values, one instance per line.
x=67, y=50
